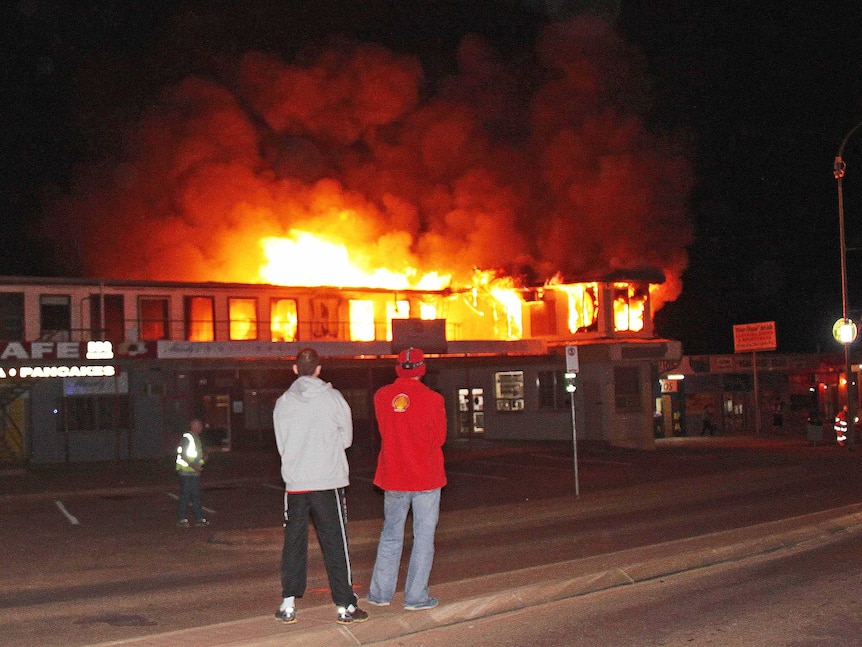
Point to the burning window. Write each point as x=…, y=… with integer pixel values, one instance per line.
x=629, y=305
x=200, y=318
x=283, y=319
x=395, y=310
x=153, y=318
x=324, y=319
x=362, y=320
x=583, y=305
x=427, y=311
x=243, y=318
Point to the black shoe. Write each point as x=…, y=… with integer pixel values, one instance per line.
x=287, y=616
x=351, y=614
x=201, y=523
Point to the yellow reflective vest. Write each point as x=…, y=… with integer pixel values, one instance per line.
x=190, y=454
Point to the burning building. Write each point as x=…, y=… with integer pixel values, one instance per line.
x=343, y=201
x=106, y=370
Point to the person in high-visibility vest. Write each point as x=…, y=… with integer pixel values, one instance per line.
x=189, y=465
x=840, y=426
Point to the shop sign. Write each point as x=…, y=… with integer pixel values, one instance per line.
x=27, y=350
x=754, y=336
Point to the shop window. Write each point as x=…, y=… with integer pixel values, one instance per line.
x=112, y=327
x=552, y=390
x=361, y=320
x=471, y=412
x=153, y=318
x=509, y=390
x=12, y=316
x=97, y=413
x=200, y=318
x=243, y=318
x=627, y=388
x=55, y=316
x=283, y=319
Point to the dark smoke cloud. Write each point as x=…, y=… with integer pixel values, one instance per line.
x=532, y=169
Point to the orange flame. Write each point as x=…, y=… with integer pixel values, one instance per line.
x=308, y=260
x=490, y=307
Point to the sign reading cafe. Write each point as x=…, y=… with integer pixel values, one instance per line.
x=25, y=352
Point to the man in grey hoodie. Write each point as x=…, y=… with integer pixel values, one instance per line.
x=313, y=428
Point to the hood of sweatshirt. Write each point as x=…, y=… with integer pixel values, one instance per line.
x=307, y=387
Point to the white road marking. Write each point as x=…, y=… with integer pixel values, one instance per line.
x=72, y=520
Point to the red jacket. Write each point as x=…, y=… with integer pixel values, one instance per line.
x=412, y=422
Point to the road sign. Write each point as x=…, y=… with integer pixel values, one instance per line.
x=572, y=364
x=754, y=336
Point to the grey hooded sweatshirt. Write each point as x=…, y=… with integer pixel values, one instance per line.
x=313, y=427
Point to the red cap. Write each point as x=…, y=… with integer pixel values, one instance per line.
x=411, y=363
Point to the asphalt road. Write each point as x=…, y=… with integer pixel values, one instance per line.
x=107, y=564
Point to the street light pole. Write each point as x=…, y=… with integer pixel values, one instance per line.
x=848, y=337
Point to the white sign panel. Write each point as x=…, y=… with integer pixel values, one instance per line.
x=572, y=364
x=754, y=336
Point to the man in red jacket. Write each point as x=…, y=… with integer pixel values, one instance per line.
x=412, y=422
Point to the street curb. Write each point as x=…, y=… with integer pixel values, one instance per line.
x=522, y=589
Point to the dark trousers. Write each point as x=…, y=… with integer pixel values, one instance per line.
x=328, y=509
x=190, y=492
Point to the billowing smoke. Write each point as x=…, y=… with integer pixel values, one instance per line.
x=532, y=170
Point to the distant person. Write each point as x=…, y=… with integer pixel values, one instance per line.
x=778, y=417
x=189, y=465
x=412, y=422
x=708, y=426
x=840, y=426
x=313, y=428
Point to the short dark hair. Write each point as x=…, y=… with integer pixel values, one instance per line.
x=307, y=361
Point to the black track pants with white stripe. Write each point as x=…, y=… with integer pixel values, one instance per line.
x=328, y=508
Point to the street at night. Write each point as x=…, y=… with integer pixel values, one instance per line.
x=107, y=564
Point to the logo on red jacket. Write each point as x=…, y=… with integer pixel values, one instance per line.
x=400, y=403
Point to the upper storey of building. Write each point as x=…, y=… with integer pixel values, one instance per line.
x=58, y=309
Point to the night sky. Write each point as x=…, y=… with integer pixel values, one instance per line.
x=758, y=96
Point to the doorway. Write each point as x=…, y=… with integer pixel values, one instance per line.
x=216, y=417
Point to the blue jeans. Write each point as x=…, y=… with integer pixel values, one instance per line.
x=426, y=511
x=190, y=492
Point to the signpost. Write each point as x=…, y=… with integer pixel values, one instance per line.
x=754, y=337
x=572, y=368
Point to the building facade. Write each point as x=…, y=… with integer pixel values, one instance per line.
x=113, y=370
